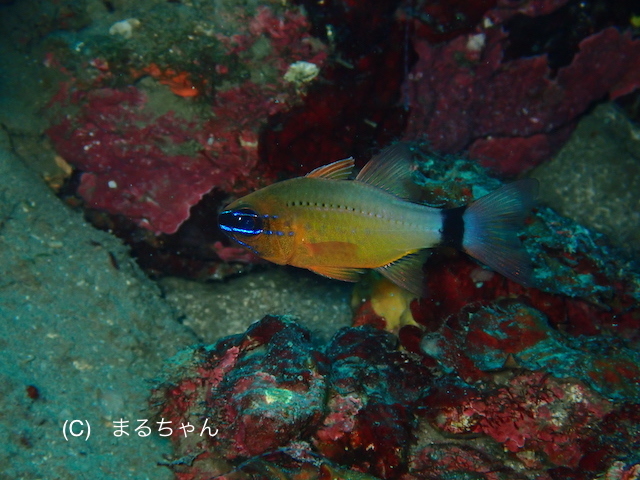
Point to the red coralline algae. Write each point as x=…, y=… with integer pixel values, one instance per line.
x=511, y=114
x=370, y=398
x=487, y=338
x=449, y=460
x=360, y=406
x=152, y=168
x=270, y=390
x=376, y=443
x=538, y=418
x=619, y=437
x=260, y=391
x=124, y=154
x=341, y=421
x=357, y=106
x=482, y=339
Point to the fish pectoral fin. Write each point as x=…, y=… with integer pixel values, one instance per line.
x=407, y=271
x=340, y=170
x=339, y=273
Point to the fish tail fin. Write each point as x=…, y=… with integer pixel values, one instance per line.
x=491, y=225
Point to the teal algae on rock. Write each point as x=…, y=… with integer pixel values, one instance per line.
x=508, y=332
x=361, y=405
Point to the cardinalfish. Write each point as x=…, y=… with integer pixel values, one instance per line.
x=339, y=228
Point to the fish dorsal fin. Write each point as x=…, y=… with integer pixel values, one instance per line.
x=391, y=170
x=339, y=170
x=339, y=273
x=407, y=271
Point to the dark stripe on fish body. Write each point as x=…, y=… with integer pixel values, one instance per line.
x=453, y=227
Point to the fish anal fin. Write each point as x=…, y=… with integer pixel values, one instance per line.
x=391, y=170
x=406, y=272
x=340, y=170
x=338, y=273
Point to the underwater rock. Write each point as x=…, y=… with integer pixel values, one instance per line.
x=509, y=332
x=360, y=405
x=536, y=418
x=595, y=178
x=370, y=396
x=270, y=389
x=151, y=165
x=260, y=391
x=81, y=326
x=467, y=94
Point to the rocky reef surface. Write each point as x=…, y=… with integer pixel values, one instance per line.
x=273, y=402
x=148, y=116
x=81, y=329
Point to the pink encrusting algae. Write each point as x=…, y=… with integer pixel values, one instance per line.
x=153, y=168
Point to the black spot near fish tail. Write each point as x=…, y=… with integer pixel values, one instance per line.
x=453, y=227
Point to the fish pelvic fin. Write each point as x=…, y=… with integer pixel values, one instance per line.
x=406, y=272
x=339, y=273
x=490, y=228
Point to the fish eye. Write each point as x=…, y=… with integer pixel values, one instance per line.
x=243, y=221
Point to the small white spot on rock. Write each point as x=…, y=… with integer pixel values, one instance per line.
x=124, y=27
x=475, y=43
x=301, y=72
